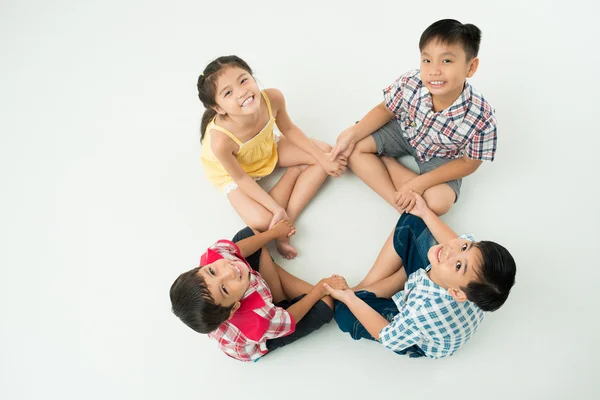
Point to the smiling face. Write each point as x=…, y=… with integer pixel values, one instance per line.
x=454, y=264
x=237, y=92
x=226, y=280
x=444, y=70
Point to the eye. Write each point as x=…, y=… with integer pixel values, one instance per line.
x=426, y=61
x=224, y=289
x=464, y=247
x=227, y=93
x=446, y=61
x=458, y=265
x=244, y=80
x=211, y=271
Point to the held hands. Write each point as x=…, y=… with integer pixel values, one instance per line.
x=334, y=281
x=420, y=208
x=344, y=144
x=278, y=215
x=405, y=196
x=339, y=289
x=334, y=167
x=283, y=229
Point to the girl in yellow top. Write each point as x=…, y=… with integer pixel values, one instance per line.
x=239, y=147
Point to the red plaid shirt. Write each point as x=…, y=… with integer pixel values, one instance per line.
x=466, y=127
x=244, y=335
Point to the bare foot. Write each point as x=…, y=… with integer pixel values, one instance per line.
x=286, y=250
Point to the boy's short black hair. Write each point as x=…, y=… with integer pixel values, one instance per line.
x=495, y=278
x=194, y=305
x=450, y=31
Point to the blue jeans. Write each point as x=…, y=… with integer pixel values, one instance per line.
x=412, y=240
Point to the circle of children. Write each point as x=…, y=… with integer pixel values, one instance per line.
x=428, y=289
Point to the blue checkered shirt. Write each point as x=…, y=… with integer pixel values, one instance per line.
x=468, y=126
x=430, y=322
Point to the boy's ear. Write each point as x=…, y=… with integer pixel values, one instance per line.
x=473, y=65
x=234, y=309
x=457, y=294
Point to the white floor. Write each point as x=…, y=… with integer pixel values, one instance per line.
x=104, y=201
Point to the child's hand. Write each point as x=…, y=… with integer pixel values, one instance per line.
x=338, y=291
x=404, y=197
x=344, y=144
x=420, y=207
x=337, y=282
x=278, y=216
x=283, y=229
x=334, y=167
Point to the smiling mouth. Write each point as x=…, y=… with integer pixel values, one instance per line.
x=248, y=101
x=439, y=253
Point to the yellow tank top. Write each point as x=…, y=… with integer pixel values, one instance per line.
x=257, y=156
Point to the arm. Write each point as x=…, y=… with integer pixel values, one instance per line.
x=298, y=310
x=289, y=129
x=223, y=148
x=454, y=169
x=369, y=318
x=438, y=228
x=375, y=119
x=281, y=230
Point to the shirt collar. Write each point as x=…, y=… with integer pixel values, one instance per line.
x=457, y=111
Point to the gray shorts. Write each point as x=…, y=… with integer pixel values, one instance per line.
x=391, y=142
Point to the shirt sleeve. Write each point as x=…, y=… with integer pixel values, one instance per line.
x=281, y=324
x=246, y=351
x=402, y=332
x=482, y=145
x=393, y=94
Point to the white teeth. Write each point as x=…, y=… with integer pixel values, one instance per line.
x=436, y=82
x=247, y=101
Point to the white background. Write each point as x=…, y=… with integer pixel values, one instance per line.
x=104, y=201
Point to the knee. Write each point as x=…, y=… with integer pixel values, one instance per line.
x=329, y=301
x=323, y=146
x=298, y=168
x=260, y=222
x=440, y=199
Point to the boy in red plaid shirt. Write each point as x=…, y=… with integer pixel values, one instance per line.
x=246, y=302
x=431, y=114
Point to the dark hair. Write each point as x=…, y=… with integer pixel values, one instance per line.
x=450, y=31
x=192, y=302
x=207, y=85
x=495, y=278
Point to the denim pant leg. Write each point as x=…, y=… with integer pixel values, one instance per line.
x=347, y=322
x=412, y=241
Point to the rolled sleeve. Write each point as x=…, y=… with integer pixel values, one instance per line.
x=401, y=333
x=281, y=323
x=393, y=95
x=482, y=145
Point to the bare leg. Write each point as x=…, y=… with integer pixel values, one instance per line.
x=388, y=263
x=371, y=170
x=398, y=172
x=307, y=184
x=387, y=287
x=268, y=271
x=253, y=213
x=294, y=286
x=439, y=198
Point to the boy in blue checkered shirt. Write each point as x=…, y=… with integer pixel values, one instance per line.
x=428, y=290
x=431, y=114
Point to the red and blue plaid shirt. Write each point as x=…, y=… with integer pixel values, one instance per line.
x=468, y=126
x=245, y=334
